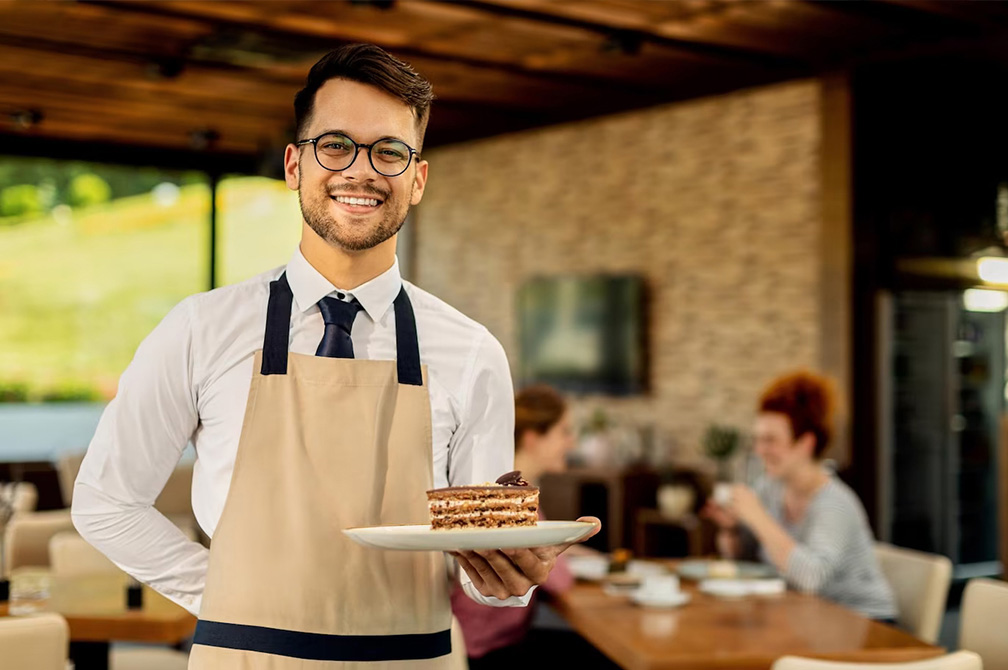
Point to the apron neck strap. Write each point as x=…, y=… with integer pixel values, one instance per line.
x=407, y=344
x=278, y=315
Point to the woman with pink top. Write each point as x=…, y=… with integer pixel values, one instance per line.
x=497, y=637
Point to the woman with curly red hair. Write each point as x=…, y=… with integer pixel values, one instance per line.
x=801, y=518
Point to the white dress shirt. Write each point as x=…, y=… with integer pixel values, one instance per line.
x=189, y=382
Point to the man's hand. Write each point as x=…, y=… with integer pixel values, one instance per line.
x=502, y=573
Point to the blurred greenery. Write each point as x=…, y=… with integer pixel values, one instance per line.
x=19, y=201
x=88, y=189
x=81, y=286
x=721, y=442
x=13, y=392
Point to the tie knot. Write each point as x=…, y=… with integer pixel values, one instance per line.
x=338, y=312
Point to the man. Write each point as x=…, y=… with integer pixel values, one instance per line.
x=296, y=437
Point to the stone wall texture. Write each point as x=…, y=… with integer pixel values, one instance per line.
x=717, y=202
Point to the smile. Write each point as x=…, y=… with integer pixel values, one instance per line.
x=357, y=202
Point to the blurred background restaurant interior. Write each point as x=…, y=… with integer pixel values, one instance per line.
x=656, y=207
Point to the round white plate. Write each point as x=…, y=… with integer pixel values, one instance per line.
x=646, y=599
x=739, y=588
x=698, y=570
x=423, y=538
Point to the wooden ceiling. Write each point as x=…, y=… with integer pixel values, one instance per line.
x=218, y=77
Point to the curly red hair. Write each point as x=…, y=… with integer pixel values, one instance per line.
x=808, y=400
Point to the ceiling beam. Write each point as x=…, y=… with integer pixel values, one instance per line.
x=329, y=36
x=558, y=15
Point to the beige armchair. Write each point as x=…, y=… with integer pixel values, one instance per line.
x=920, y=583
x=963, y=660
x=38, y=642
x=982, y=624
x=28, y=535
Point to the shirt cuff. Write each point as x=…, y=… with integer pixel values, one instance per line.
x=513, y=601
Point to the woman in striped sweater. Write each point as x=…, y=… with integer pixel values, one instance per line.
x=801, y=518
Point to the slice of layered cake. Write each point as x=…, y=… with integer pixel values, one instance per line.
x=509, y=502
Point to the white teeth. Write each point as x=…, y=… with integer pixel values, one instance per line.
x=370, y=202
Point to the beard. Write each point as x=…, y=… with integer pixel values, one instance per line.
x=345, y=235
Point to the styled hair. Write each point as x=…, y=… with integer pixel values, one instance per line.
x=372, y=65
x=808, y=400
x=537, y=408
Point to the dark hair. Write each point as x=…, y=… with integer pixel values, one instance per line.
x=808, y=401
x=372, y=65
x=537, y=408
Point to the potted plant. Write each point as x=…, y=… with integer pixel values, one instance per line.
x=719, y=444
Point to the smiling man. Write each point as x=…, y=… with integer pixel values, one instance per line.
x=322, y=395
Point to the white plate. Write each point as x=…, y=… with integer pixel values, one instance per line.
x=739, y=588
x=697, y=570
x=647, y=599
x=423, y=538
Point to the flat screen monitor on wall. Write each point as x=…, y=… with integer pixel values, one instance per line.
x=584, y=334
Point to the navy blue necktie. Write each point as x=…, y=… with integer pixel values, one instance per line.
x=339, y=317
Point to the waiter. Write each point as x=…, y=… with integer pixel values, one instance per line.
x=319, y=396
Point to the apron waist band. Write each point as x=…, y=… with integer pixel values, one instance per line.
x=322, y=647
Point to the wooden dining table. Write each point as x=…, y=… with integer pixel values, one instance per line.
x=747, y=633
x=96, y=612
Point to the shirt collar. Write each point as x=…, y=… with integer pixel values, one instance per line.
x=309, y=286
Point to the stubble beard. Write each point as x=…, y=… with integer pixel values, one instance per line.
x=318, y=217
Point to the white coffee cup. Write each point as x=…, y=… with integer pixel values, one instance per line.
x=723, y=494
x=660, y=585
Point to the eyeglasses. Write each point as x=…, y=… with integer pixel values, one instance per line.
x=337, y=152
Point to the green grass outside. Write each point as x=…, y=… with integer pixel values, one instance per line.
x=78, y=296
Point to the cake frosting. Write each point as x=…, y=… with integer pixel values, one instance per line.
x=510, y=501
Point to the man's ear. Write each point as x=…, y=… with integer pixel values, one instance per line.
x=292, y=158
x=419, y=182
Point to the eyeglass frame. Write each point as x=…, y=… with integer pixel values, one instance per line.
x=357, y=147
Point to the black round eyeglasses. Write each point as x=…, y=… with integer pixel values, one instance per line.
x=336, y=152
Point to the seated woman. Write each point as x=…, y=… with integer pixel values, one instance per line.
x=801, y=518
x=500, y=637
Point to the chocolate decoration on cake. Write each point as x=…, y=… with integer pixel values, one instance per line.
x=512, y=478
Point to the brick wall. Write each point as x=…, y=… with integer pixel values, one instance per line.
x=716, y=201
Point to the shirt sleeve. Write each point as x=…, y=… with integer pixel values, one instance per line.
x=482, y=447
x=139, y=441
x=813, y=562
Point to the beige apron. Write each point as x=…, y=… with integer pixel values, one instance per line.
x=326, y=444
